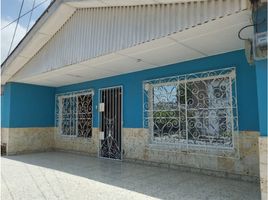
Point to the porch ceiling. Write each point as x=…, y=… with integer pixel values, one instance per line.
x=215, y=37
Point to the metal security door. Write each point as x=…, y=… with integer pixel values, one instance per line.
x=110, y=109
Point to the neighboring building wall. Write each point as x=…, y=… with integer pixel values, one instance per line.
x=27, y=118
x=136, y=146
x=263, y=149
x=261, y=75
x=261, y=72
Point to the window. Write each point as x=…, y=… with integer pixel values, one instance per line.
x=74, y=114
x=193, y=109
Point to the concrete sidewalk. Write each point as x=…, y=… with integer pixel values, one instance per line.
x=57, y=175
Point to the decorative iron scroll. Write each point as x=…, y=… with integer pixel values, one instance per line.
x=68, y=118
x=111, y=122
x=192, y=109
x=74, y=113
x=109, y=147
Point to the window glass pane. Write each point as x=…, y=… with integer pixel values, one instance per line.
x=165, y=97
x=197, y=109
x=168, y=114
x=208, y=110
x=68, y=122
x=84, y=115
x=74, y=113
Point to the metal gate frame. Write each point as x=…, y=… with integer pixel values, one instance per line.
x=122, y=119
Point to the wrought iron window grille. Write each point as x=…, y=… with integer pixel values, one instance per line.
x=74, y=113
x=197, y=109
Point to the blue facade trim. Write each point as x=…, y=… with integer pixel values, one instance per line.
x=260, y=16
x=261, y=74
x=26, y=105
x=132, y=87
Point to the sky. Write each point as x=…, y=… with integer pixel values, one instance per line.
x=9, y=12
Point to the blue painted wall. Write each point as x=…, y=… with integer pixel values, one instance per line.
x=5, y=106
x=132, y=87
x=25, y=105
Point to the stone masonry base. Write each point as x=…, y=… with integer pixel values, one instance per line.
x=25, y=140
x=243, y=163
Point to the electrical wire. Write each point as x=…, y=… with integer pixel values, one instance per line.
x=30, y=17
x=256, y=24
x=24, y=14
x=10, y=47
x=254, y=18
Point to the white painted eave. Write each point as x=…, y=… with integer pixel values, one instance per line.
x=212, y=38
x=50, y=22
